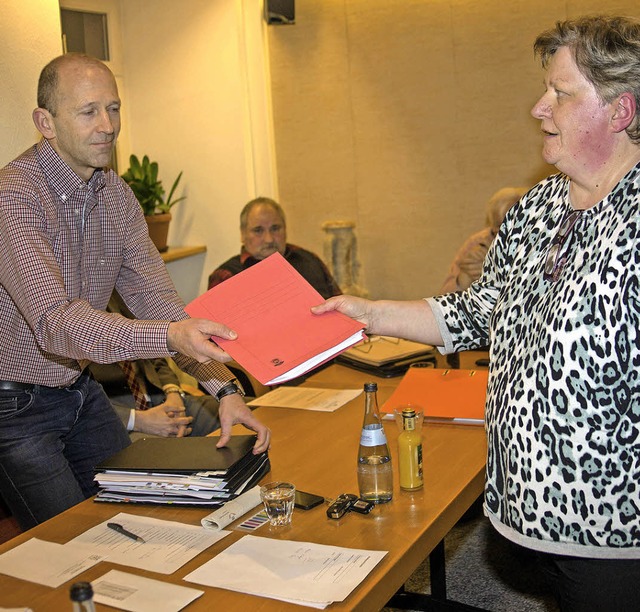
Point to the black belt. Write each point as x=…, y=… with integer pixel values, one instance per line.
x=9, y=385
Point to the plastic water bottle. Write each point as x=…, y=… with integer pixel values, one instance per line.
x=375, y=475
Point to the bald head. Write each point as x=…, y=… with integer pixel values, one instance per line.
x=49, y=81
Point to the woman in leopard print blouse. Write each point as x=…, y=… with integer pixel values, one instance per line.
x=559, y=304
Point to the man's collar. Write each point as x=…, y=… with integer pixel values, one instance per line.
x=60, y=176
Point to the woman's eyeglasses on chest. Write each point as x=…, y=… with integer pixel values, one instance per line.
x=557, y=255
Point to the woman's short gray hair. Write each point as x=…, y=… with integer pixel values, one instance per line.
x=606, y=51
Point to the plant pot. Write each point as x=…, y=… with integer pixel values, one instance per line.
x=159, y=229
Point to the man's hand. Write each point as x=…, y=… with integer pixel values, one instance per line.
x=233, y=410
x=163, y=420
x=192, y=337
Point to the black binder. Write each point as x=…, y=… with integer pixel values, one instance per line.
x=221, y=474
x=180, y=455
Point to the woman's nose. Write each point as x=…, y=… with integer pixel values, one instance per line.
x=541, y=108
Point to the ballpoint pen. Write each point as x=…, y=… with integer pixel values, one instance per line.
x=120, y=529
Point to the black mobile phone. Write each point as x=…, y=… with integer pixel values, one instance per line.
x=306, y=501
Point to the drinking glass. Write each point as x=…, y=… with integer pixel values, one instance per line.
x=278, y=499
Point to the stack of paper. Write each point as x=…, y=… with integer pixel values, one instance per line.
x=181, y=471
x=303, y=573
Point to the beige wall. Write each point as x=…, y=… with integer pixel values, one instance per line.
x=28, y=43
x=197, y=101
x=405, y=116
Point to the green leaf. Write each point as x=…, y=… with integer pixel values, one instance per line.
x=142, y=177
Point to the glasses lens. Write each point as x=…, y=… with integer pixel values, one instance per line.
x=555, y=262
x=552, y=256
x=565, y=228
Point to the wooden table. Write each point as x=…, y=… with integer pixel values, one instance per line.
x=317, y=452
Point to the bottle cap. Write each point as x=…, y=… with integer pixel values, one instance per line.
x=408, y=412
x=81, y=591
x=370, y=386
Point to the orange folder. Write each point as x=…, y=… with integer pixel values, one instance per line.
x=269, y=306
x=444, y=395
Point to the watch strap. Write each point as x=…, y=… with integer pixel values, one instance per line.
x=229, y=389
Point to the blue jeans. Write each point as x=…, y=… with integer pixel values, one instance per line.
x=50, y=443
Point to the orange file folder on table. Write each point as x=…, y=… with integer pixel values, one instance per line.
x=444, y=395
x=269, y=306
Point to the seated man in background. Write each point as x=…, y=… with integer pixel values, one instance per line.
x=467, y=264
x=263, y=231
x=156, y=402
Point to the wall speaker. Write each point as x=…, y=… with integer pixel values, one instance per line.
x=280, y=12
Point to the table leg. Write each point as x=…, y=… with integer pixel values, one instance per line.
x=436, y=601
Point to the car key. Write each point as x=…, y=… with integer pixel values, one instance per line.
x=341, y=505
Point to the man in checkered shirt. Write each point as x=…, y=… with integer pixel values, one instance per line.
x=70, y=232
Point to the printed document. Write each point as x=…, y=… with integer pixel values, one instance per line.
x=168, y=545
x=137, y=594
x=306, y=398
x=47, y=563
x=302, y=572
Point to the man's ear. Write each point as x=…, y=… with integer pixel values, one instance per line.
x=624, y=112
x=44, y=123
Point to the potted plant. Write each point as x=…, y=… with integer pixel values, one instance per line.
x=143, y=180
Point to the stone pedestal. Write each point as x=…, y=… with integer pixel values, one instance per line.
x=341, y=255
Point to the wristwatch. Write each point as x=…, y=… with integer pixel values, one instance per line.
x=229, y=389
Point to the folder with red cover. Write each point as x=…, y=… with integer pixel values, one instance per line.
x=445, y=395
x=279, y=338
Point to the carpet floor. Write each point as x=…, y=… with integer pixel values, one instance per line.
x=487, y=571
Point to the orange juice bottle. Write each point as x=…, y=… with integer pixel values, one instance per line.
x=410, y=452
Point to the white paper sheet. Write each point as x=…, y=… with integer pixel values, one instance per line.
x=168, y=545
x=232, y=510
x=137, y=594
x=304, y=572
x=306, y=398
x=47, y=563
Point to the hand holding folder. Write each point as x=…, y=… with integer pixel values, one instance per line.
x=269, y=306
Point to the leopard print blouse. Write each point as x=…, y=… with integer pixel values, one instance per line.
x=563, y=401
